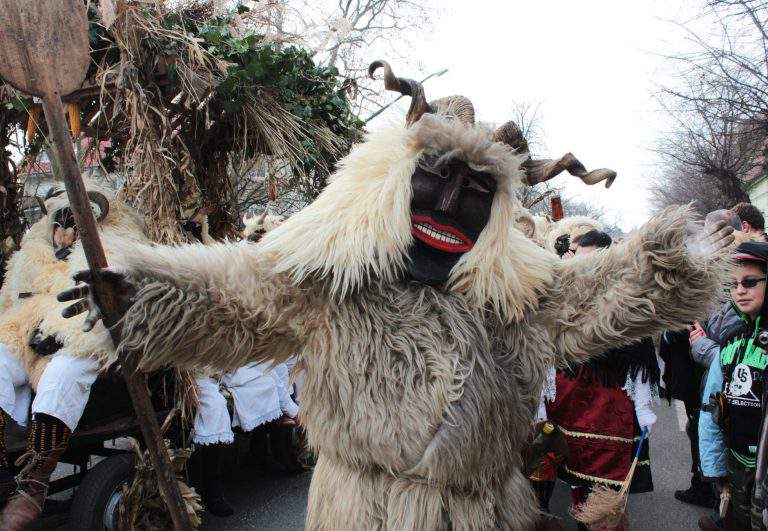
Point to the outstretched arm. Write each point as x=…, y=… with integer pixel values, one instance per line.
x=200, y=306
x=661, y=277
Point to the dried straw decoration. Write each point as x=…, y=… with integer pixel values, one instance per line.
x=178, y=136
x=142, y=507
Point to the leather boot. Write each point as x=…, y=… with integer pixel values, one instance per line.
x=26, y=503
x=212, y=486
x=699, y=493
x=48, y=439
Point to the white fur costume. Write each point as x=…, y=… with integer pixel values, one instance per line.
x=575, y=226
x=28, y=302
x=417, y=399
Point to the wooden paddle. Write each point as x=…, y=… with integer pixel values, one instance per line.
x=44, y=52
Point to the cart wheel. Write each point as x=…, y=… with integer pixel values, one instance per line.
x=288, y=445
x=95, y=505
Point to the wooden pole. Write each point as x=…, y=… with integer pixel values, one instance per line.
x=105, y=296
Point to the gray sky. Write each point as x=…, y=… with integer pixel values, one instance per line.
x=592, y=65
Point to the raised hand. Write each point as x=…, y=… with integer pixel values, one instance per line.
x=83, y=294
x=714, y=238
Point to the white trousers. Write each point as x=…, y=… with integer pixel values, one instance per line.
x=258, y=397
x=62, y=391
x=15, y=392
x=282, y=377
x=65, y=386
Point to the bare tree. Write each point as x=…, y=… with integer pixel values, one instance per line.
x=706, y=158
x=359, y=24
x=679, y=185
x=344, y=34
x=730, y=67
x=348, y=34
x=719, y=108
x=527, y=116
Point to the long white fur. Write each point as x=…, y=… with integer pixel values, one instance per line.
x=418, y=399
x=34, y=269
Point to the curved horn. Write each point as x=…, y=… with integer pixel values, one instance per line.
x=263, y=216
x=538, y=171
x=406, y=87
x=510, y=134
x=102, y=201
x=457, y=106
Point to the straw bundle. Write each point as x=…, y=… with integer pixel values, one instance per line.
x=606, y=508
x=186, y=96
x=142, y=507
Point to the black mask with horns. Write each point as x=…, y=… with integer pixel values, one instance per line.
x=451, y=202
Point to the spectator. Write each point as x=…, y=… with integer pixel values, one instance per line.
x=683, y=380
x=731, y=414
x=752, y=220
x=259, y=395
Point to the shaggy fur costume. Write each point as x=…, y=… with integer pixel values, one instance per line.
x=534, y=226
x=34, y=277
x=573, y=225
x=418, y=400
x=256, y=226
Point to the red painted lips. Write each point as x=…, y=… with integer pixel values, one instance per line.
x=440, y=237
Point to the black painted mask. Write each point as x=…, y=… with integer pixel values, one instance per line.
x=450, y=207
x=562, y=244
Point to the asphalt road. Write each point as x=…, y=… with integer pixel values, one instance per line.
x=278, y=501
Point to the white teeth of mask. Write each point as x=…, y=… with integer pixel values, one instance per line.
x=439, y=235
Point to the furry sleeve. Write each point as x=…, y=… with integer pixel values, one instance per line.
x=209, y=307
x=649, y=283
x=7, y=297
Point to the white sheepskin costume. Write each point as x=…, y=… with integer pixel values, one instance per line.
x=35, y=276
x=573, y=225
x=257, y=226
x=417, y=399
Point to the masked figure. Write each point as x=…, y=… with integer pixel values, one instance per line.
x=424, y=320
x=562, y=233
x=42, y=351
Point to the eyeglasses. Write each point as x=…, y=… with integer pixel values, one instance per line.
x=747, y=283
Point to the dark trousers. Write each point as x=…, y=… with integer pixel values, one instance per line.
x=743, y=514
x=543, y=491
x=692, y=430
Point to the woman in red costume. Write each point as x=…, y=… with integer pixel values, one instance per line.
x=602, y=407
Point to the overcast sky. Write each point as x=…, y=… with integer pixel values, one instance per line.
x=594, y=67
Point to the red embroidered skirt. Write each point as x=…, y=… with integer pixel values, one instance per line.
x=602, y=433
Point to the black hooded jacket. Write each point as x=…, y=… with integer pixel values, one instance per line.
x=760, y=251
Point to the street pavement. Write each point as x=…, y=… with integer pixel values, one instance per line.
x=278, y=501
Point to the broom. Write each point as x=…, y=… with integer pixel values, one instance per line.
x=606, y=508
